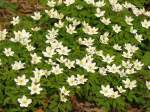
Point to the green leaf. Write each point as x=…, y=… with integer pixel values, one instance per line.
x=146, y=58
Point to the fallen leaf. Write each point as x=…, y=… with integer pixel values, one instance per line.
x=39, y=110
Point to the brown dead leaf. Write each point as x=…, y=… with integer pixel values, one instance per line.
x=25, y=7
x=5, y=13
x=75, y=104
x=5, y=16
x=29, y=7
x=12, y=1
x=134, y=110
x=39, y=110
x=1, y=110
x=83, y=107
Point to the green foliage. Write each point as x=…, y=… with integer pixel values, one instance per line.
x=90, y=91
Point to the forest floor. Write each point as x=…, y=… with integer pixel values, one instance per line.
x=27, y=8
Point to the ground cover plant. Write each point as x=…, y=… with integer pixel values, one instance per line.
x=98, y=51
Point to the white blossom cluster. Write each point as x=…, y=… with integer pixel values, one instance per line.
x=74, y=81
x=128, y=65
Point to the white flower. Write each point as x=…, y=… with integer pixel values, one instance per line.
x=113, y=69
x=76, y=22
x=63, y=51
x=52, y=34
x=116, y=28
x=69, y=2
x=103, y=71
x=109, y=92
x=148, y=85
x=38, y=72
x=106, y=90
x=49, y=52
x=15, y=20
x=56, y=45
x=30, y=47
x=139, y=37
x=54, y=14
x=91, y=50
x=113, y=2
x=130, y=71
x=35, y=59
x=69, y=64
x=71, y=29
x=130, y=48
x=122, y=73
x=136, y=11
x=22, y=36
x=132, y=30
x=62, y=60
x=149, y=67
x=64, y=91
x=70, y=19
x=56, y=69
x=142, y=11
x=126, y=64
x=18, y=65
x=8, y=52
x=99, y=12
x=21, y=80
x=35, y=79
x=100, y=53
x=51, y=3
x=92, y=2
x=59, y=2
x=115, y=94
x=104, y=38
x=147, y=13
x=3, y=34
x=87, y=63
x=117, y=47
x=90, y=67
x=138, y=64
x=81, y=79
x=117, y=7
x=89, y=30
x=24, y=101
x=127, y=54
x=36, y=16
x=86, y=41
x=128, y=5
x=79, y=7
x=128, y=20
x=60, y=24
x=145, y=24
x=100, y=3
x=36, y=28
x=129, y=84
x=35, y=89
x=63, y=98
x=120, y=89
x=72, y=81
x=105, y=21
x=108, y=59
x=46, y=73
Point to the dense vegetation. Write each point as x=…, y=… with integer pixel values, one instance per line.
x=98, y=51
